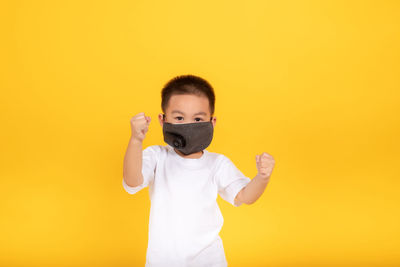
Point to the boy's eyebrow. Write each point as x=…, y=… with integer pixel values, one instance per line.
x=177, y=111
x=180, y=112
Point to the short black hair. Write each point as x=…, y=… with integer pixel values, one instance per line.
x=187, y=85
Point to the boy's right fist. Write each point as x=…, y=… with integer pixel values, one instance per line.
x=140, y=126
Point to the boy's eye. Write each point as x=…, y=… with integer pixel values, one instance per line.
x=199, y=119
x=179, y=118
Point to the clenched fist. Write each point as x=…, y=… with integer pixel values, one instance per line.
x=140, y=125
x=265, y=164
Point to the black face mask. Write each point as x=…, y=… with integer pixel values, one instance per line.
x=188, y=138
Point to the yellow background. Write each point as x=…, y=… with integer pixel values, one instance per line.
x=313, y=83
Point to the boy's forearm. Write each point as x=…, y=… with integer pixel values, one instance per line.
x=132, y=172
x=254, y=189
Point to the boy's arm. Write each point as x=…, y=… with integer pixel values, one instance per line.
x=132, y=171
x=254, y=189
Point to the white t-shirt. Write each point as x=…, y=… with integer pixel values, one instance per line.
x=185, y=219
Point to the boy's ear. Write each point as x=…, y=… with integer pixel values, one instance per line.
x=214, y=121
x=161, y=119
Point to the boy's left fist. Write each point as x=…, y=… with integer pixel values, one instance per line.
x=265, y=164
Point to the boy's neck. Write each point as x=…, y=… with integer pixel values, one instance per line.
x=190, y=156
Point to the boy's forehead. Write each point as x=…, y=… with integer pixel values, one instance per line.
x=188, y=104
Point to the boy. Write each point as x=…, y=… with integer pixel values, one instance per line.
x=184, y=178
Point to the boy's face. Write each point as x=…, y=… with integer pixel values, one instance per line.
x=187, y=109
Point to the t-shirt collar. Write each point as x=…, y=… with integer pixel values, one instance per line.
x=188, y=161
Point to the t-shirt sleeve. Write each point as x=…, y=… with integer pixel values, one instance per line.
x=149, y=162
x=230, y=180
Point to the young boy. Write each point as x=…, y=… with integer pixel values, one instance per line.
x=184, y=178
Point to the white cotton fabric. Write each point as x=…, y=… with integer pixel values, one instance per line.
x=185, y=219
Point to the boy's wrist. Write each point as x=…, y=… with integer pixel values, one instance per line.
x=263, y=178
x=136, y=141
